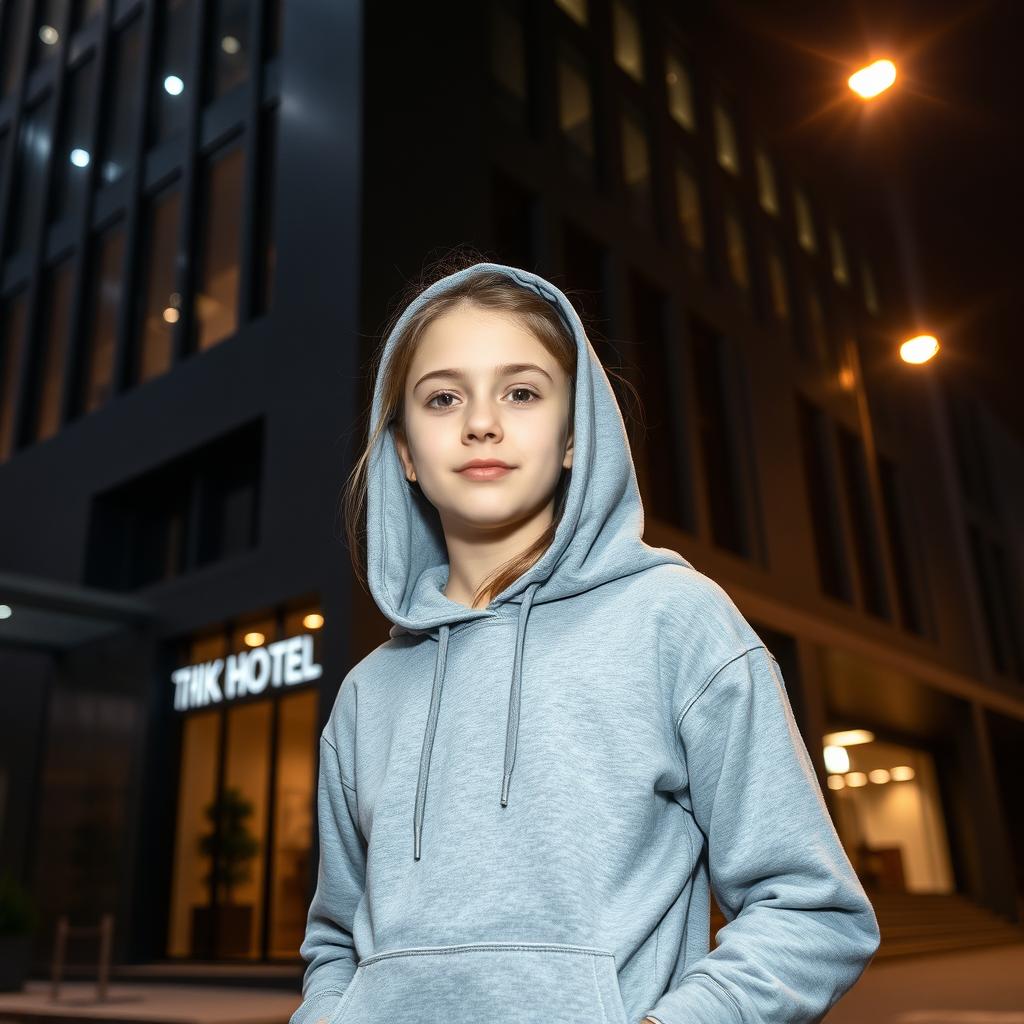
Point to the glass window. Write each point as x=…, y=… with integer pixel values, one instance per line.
x=215, y=310
x=736, y=245
x=229, y=46
x=636, y=164
x=48, y=375
x=34, y=144
x=105, y=294
x=870, y=290
x=171, y=70
x=688, y=205
x=804, y=221
x=840, y=270
x=508, y=58
x=83, y=11
x=726, y=148
x=263, y=285
x=767, y=193
x=576, y=9
x=778, y=279
x=14, y=19
x=159, y=303
x=121, y=114
x=49, y=30
x=12, y=346
x=629, y=54
x=816, y=326
x=680, y=91
x=74, y=149
x=575, y=109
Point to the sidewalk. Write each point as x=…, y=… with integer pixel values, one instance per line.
x=982, y=986
x=139, y=1003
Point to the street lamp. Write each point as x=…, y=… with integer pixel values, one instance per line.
x=872, y=80
x=919, y=349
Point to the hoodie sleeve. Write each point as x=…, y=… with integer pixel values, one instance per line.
x=328, y=946
x=800, y=929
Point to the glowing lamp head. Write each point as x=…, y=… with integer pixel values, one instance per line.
x=873, y=79
x=919, y=349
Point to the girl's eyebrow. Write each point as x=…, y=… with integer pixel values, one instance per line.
x=504, y=370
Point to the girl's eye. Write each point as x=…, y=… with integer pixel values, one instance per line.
x=514, y=391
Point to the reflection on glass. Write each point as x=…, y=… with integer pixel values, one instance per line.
x=74, y=150
x=48, y=31
x=217, y=273
x=105, y=293
x=121, y=114
x=294, y=793
x=34, y=144
x=48, y=376
x=237, y=855
x=171, y=70
x=229, y=46
x=12, y=345
x=160, y=305
x=197, y=789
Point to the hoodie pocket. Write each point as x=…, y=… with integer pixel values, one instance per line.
x=522, y=983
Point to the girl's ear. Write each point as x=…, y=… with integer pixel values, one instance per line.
x=403, y=453
x=567, y=461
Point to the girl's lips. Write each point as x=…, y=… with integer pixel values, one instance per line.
x=485, y=472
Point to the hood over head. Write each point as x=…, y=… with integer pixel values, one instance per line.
x=598, y=539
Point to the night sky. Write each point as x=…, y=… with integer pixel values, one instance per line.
x=938, y=161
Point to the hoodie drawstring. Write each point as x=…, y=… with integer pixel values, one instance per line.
x=511, y=733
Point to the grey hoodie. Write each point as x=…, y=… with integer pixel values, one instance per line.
x=524, y=808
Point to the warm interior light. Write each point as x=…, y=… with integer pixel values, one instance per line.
x=314, y=620
x=856, y=779
x=873, y=79
x=255, y=639
x=919, y=349
x=837, y=759
x=847, y=738
x=901, y=773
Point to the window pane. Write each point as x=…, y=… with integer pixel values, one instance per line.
x=220, y=211
x=49, y=29
x=106, y=291
x=120, y=118
x=294, y=800
x=840, y=270
x=688, y=207
x=160, y=304
x=14, y=18
x=680, y=92
x=171, y=70
x=576, y=9
x=34, y=144
x=508, y=59
x=725, y=141
x=870, y=290
x=229, y=46
x=636, y=165
x=778, y=282
x=575, y=111
x=736, y=246
x=74, y=150
x=628, y=47
x=767, y=193
x=48, y=375
x=12, y=347
x=804, y=221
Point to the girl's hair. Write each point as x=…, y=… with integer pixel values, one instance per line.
x=491, y=290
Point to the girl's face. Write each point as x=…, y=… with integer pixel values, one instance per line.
x=481, y=386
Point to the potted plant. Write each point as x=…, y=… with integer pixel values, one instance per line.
x=17, y=921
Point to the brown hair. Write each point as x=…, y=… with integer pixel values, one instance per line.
x=492, y=290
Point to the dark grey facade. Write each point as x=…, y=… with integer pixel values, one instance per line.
x=207, y=211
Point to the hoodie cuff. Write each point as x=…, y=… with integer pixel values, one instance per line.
x=698, y=998
x=317, y=1009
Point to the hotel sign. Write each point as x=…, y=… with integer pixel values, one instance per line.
x=283, y=663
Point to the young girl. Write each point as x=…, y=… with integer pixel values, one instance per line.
x=527, y=794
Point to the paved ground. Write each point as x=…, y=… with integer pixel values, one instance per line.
x=984, y=986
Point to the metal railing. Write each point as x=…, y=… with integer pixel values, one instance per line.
x=105, y=931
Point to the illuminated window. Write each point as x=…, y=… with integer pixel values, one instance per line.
x=840, y=269
x=636, y=164
x=726, y=148
x=736, y=245
x=767, y=193
x=629, y=53
x=576, y=9
x=804, y=221
x=680, y=92
x=575, y=109
x=870, y=290
x=778, y=282
x=688, y=206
